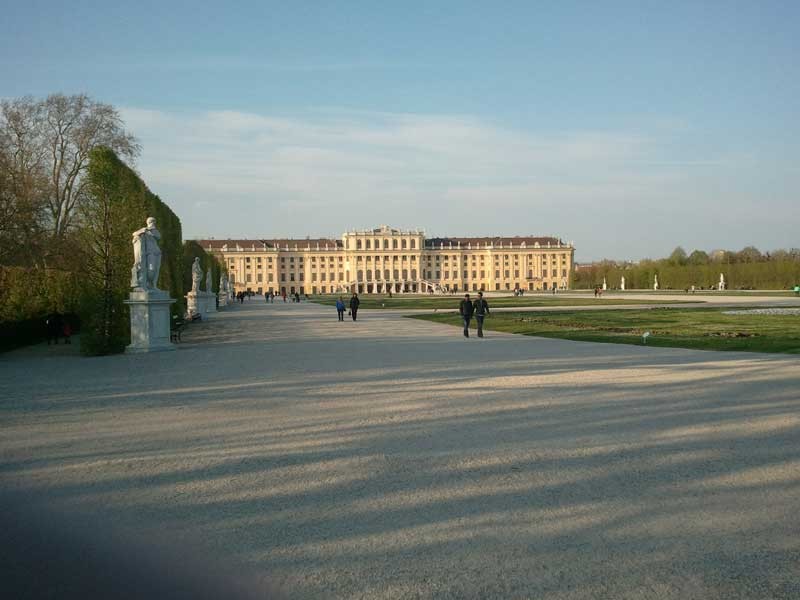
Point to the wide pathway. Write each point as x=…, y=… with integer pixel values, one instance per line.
x=392, y=458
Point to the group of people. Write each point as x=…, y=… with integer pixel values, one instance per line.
x=57, y=327
x=353, y=310
x=478, y=309
x=270, y=296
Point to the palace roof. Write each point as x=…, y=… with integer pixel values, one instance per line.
x=300, y=244
x=515, y=241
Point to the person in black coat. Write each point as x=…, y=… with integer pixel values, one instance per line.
x=354, y=302
x=481, y=310
x=54, y=326
x=466, y=309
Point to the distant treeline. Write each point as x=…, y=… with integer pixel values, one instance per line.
x=744, y=270
x=68, y=206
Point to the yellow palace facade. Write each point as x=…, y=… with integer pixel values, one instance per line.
x=385, y=259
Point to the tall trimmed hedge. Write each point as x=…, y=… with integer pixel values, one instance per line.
x=765, y=275
x=192, y=249
x=118, y=204
x=27, y=296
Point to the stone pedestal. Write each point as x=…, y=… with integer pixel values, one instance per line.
x=211, y=302
x=223, y=299
x=150, y=321
x=201, y=303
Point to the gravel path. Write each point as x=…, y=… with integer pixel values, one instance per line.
x=392, y=458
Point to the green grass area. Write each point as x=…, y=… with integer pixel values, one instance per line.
x=451, y=302
x=699, y=328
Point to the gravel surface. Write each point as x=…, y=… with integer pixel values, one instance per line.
x=392, y=458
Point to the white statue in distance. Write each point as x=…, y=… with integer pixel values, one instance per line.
x=197, y=275
x=146, y=257
x=208, y=281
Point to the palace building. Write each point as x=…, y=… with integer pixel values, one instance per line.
x=386, y=259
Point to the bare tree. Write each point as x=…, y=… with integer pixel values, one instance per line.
x=73, y=126
x=23, y=182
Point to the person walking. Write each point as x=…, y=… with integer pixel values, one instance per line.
x=481, y=310
x=340, y=308
x=354, y=302
x=54, y=326
x=466, y=309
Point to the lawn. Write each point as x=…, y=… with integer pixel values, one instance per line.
x=699, y=328
x=451, y=302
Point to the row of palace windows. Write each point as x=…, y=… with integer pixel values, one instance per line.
x=368, y=245
x=507, y=274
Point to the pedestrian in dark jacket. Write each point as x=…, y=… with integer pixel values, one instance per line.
x=54, y=325
x=340, y=308
x=481, y=310
x=466, y=309
x=354, y=302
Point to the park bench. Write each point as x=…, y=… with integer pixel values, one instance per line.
x=176, y=327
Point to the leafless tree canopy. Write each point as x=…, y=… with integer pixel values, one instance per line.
x=44, y=153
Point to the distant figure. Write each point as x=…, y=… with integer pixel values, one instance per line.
x=354, y=302
x=67, y=331
x=283, y=294
x=340, y=308
x=481, y=310
x=466, y=309
x=54, y=327
x=266, y=297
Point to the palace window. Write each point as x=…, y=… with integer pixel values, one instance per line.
x=403, y=244
x=247, y=259
x=506, y=272
x=394, y=244
x=497, y=274
x=358, y=244
x=413, y=244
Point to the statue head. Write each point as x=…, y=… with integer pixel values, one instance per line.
x=151, y=222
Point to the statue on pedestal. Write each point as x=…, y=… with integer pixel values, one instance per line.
x=655, y=282
x=223, y=283
x=622, y=283
x=146, y=257
x=208, y=281
x=721, y=285
x=197, y=275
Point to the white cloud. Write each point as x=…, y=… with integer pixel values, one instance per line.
x=235, y=173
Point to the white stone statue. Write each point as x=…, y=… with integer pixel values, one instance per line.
x=721, y=285
x=622, y=283
x=197, y=275
x=655, y=282
x=223, y=283
x=208, y=281
x=605, y=286
x=146, y=257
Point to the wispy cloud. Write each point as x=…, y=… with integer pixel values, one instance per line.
x=237, y=173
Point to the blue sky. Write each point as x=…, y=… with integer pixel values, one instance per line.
x=628, y=127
